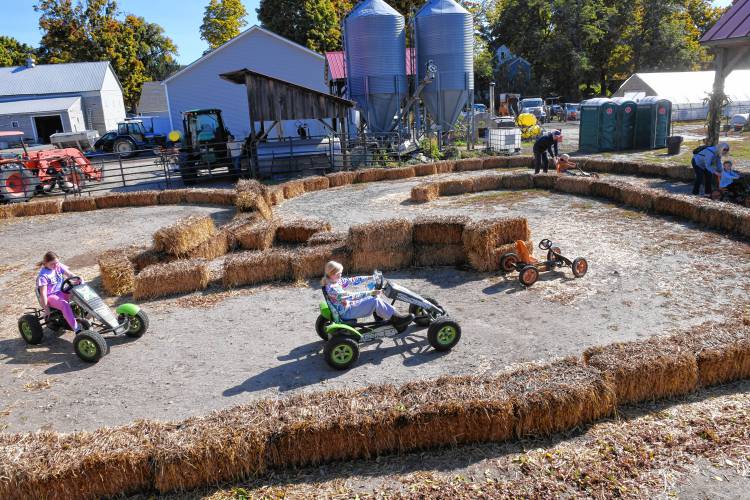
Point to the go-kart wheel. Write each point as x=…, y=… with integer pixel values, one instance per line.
x=580, y=267
x=508, y=262
x=320, y=326
x=443, y=334
x=528, y=275
x=341, y=352
x=90, y=346
x=31, y=329
x=138, y=324
x=419, y=313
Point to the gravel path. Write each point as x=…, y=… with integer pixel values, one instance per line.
x=217, y=349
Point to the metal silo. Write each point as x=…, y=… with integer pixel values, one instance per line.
x=375, y=48
x=445, y=39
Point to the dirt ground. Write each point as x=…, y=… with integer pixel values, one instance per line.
x=217, y=349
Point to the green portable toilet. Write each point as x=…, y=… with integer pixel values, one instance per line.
x=625, y=134
x=598, y=125
x=653, y=123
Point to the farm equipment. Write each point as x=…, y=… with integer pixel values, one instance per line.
x=41, y=172
x=529, y=268
x=343, y=337
x=130, y=138
x=95, y=318
x=204, y=144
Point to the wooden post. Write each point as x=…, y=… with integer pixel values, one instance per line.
x=253, y=149
x=717, y=98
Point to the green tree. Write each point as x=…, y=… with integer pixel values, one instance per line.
x=155, y=50
x=222, y=21
x=13, y=52
x=316, y=24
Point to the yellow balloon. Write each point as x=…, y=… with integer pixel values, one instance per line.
x=175, y=136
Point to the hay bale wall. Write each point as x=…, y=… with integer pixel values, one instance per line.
x=257, y=236
x=425, y=192
x=292, y=189
x=425, y=169
x=172, y=196
x=132, y=199
x=392, y=174
x=574, y=185
x=34, y=208
x=481, y=238
x=370, y=175
x=184, y=235
x=117, y=273
x=517, y=181
x=439, y=255
x=439, y=230
x=453, y=187
x=299, y=230
x=252, y=268
x=316, y=183
x=545, y=181
x=327, y=238
x=254, y=186
x=341, y=178
x=489, y=182
x=382, y=245
x=469, y=164
x=215, y=246
x=445, y=167
x=79, y=204
x=222, y=197
x=163, y=280
x=495, y=162
x=310, y=262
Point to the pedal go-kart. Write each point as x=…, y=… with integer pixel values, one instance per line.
x=529, y=268
x=92, y=313
x=344, y=336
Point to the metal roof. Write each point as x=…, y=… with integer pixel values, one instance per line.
x=32, y=106
x=336, y=69
x=733, y=28
x=52, y=78
x=687, y=87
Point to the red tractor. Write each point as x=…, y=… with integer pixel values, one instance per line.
x=41, y=172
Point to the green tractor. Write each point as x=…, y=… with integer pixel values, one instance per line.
x=204, y=145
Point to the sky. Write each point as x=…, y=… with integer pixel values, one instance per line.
x=180, y=19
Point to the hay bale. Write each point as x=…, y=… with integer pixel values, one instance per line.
x=253, y=186
x=370, y=175
x=180, y=276
x=468, y=165
x=393, y=174
x=498, y=252
x=611, y=190
x=257, y=236
x=482, y=237
x=545, y=181
x=425, y=169
x=496, y=162
x=722, y=216
x=217, y=245
x=34, y=208
x=521, y=162
x=439, y=255
x=292, y=189
x=489, y=182
x=425, y=192
x=439, y=230
x=184, y=235
x=341, y=178
x=142, y=258
x=316, y=183
x=249, y=201
x=133, y=199
x=600, y=165
x=389, y=234
x=79, y=204
x=452, y=187
x=680, y=173
x=625, y=168
x=646, y=370
x=310, y=262
x=638, y=197
x=222, y=197
x=721, y=350
x=365, y=261
x=743, y=228
x=677, y=205
x=172, y=196
x=276, y=195
x=117, y=273
x=518, y=181
x=445, y=167
x=7, y=211
x=328, y=238
x=574, y=185
x=299, y=230
x=653, y=170
x=252, y=268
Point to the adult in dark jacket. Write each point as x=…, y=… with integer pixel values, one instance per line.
x=544, y=147
x=706, y=164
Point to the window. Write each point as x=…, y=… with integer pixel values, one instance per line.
x=14, y=124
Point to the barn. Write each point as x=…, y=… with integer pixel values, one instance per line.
x=43, y=99
x=199, y=86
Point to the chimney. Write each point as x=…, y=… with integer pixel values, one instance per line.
x=30, y=62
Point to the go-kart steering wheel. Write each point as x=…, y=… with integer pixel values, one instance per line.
x=69, y=283
x=545, y=244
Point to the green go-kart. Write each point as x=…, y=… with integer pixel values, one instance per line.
x=94, y=316
x=343, y=337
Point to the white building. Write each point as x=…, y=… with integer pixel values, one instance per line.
x=44, y=99
x=688, y=91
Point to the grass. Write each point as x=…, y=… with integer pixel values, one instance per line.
x=506, y=198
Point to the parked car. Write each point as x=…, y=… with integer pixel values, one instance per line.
x=534, y=106
x=572, y=111
x=740, y=121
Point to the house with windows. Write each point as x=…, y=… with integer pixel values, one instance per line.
x=44, y=99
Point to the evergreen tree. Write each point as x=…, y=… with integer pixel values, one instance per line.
x=13, y=52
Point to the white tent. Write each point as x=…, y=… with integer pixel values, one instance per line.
x=688, y=91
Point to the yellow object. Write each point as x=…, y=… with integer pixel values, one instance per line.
x=531, y=132
x=526, y=120
x=174, y=136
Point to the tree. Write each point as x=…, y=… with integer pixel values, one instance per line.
x=222, y=21
x=13, y=52
x=316, y=24
x=156, y=51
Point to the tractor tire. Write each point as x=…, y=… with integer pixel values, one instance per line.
x=528, y=275
x=138, y=325
x=341, y=352
x=17, y=183
x=124, y=147
x=580, y=267
x=444, y=334
x=508, y=262
x=31, y=329
x=320, y=326
x=417, y=311
x=90, y=346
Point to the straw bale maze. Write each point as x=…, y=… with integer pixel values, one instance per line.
x=229, y=382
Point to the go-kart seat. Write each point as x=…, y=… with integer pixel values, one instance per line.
x=523, y=253
x=335, y=312
x=38, y=296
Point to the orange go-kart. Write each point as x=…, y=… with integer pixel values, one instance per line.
x=529, y=268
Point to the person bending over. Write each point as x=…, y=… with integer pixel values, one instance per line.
x=353, y=305
x=49, y=281
x=544, y=148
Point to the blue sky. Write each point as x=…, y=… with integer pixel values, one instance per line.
x=179, y=18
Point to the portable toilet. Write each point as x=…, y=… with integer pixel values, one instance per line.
x=598, y=125
x=625, y=134
x=653, y=123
